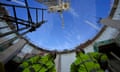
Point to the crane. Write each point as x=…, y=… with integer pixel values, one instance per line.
x=57, y=6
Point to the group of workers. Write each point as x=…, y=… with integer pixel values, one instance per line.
x=90, y=62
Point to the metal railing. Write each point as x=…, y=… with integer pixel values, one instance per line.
x=18, y=22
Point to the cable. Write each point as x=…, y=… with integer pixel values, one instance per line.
x=62, y=18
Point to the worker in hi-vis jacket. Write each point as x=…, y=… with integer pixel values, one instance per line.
x=39, y=64
x=90, y=62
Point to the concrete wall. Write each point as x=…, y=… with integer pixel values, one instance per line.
x=117, y=13
x=67, y=59
x=108, y=34
x=118, y=40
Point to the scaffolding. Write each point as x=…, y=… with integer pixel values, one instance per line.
x=21, y=24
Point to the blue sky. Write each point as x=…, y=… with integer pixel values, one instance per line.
x=80, y=23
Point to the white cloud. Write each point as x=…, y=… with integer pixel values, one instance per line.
x=66, y=45
x=78, y=37
x=73, y=12
x=70, y=40
x=92, y=25
x=68, y=37
x=19, y=2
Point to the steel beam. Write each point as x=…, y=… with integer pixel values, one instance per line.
x=28, y=12
x=4, y=27
x=14, y=31
x=10, y=52
x=21, y=6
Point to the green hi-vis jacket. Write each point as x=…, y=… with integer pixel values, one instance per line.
x=88, y=62
x=39, y=64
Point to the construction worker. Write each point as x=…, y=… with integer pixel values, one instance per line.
x=90, y=62
x=39, y=64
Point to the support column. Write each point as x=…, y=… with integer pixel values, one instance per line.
x=7, y=54
x=58, y=63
